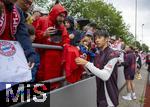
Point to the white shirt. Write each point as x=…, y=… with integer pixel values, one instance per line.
x=104, y=74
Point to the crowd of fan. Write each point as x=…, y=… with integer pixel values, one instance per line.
x=57, y=28
x=43, y=28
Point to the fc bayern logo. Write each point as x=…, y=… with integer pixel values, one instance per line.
x=7, y=48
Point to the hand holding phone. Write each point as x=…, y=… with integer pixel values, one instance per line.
x=50, y=30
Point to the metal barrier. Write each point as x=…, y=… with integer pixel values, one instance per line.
x=43, y=46
x=60, y=79
x=80, y=94
x=121, y=80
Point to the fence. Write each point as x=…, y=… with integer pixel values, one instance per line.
x=80, y=94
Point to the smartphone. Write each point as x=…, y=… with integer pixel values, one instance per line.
x=57, y=32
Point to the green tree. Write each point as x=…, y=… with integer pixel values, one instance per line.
x=137, y=45
x=129, y=38
x=105, y=15
x=145, y=48
x=43, y=3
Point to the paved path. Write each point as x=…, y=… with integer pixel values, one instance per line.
x=140, y=87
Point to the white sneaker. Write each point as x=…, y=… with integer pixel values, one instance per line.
x=128, y=97
x=134, y=96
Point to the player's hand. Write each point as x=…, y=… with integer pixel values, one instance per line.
x=81, y=61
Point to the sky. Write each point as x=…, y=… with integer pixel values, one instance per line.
x=127, y=7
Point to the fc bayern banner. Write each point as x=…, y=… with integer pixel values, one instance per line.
x=13, y=64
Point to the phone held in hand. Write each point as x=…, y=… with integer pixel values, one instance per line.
x=57, y=32
x=56, y=36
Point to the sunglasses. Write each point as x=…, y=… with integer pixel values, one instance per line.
x=28, y=2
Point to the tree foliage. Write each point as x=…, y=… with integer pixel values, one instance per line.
x=145, y=48
x=105, y=15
